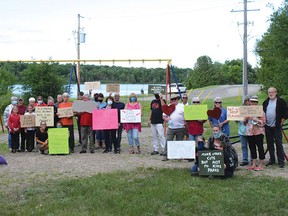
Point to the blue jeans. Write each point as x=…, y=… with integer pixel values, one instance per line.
x=194, y=137
x=9, y=140
x=133, y=136
x=244, y=147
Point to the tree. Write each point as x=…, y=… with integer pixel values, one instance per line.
x=6, y=82
x=42, y=79
x=272, y=49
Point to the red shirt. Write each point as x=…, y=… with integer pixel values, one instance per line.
x=195, y=127
x=14, y=122
x=86, y=119
x=21, y=109
x=43, y=104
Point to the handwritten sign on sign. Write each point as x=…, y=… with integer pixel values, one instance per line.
x=105, y=119
x=233, y=113
x=248, y=111
x=181, y=149
x=92, y=85
x=130, y=116
x=195, y=112
x=58, y=141
x=65, y=112
x=211, y=162
x=112, y=88
x=44, y=114
x=27, y=121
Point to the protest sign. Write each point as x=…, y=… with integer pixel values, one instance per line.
x=65, y=112
x=84, y=106
x=211, y=162
x=27, y=121
x=251, y=111
x=58, y=141
x=105, y=119
x=112, y=88
x=152, y=89
x=44, y=113
x=130, y=116
x=181, y=149
x=233, y=113
x=92, y=85
x=195, y=112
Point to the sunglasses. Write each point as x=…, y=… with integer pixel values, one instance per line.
x=196, y=102
x=173, y=99
x=218, y=102
x=185, y=97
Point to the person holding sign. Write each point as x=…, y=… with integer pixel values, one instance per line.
x=68, y=121
x=119, y=106
x=199, y=147
x=42, y=138
x=7, y=113
x=100, y=136
x=255, y=132
x=156, y=122
x=30, y=131
x=133, y=129
x=14, y=128
x=276, y=113
x=222, y=121
x=21, y=111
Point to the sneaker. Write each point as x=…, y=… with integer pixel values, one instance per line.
x=154, y=153
x=105, y=151
x=92, y=151
x=83, y=151
x=165, y=159
x=270, y=163
x=116, y=152
x=243, y=163
x=71, y=150
x=13, y=150
x=78, y=144
x=281, y=166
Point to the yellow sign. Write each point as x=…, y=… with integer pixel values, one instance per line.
x=195, y=112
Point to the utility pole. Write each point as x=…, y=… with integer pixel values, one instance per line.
x=78, y=50
x=245, y=53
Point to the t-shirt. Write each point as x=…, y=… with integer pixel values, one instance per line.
x=156, y=108
x=271, y=113
x=177, y=117
x=101, y=105
x=66, y=121
x=119, y=106
x=41, y=136
x=225, y=128
x=86, y=119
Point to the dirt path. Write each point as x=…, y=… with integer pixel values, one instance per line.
x=28, y=168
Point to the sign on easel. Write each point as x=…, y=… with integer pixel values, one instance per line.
x=58, y=141
x=211, y=162
x=180, y=149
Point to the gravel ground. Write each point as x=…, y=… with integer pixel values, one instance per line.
x=25, y=169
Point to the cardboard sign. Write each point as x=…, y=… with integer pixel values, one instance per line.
x=58, y=141
x=45, y=113
x=130, y=116
x=84, y=106
x=248, y=111
x=211, y=162
x=112, y=88
x=195, y=112
x=233, y=113
x=92, y=85
x=65, y=112
x=181, y=149
x=27, y=121
x=105, y=119
x=152, y=89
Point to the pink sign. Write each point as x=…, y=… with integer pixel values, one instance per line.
x=105, y=119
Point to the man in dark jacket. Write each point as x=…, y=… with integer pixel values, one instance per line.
x=276, y=113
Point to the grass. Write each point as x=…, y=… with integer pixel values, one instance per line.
x=151, y=192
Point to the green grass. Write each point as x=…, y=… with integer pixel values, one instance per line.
x=151, y=192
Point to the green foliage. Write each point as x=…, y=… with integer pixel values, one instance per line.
x=273, y=51
x=42, y=79
x=7, y=79
x=151, y=192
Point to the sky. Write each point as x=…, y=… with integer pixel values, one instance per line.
x=181, y=30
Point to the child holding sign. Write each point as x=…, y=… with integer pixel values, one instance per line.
x=14, y=128
x=30, y=131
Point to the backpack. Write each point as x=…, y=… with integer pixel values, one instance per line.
x=234, y=155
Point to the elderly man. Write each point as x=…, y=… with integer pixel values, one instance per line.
x=176, y=123
x=6, y=115
x=275, y=109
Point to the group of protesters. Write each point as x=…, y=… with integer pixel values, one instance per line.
x=251, y=129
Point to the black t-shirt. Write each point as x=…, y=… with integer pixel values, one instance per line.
x=119, y=106
x=156, y=108
x=42, y=136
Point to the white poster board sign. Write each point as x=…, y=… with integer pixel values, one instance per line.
x=130, y=116
x=92, y=85
x=181, y=149
x=44, y=113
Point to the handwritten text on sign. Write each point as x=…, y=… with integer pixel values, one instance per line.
x=181, y=149
x=233, y=113
x=130, y=116
x=195, y=112
x=105, y=119
x=92, y=85
x=240, y=112
x=27, y=121
x=65, y=112
x=211, y=162
x=44, y=114
x=112, y=88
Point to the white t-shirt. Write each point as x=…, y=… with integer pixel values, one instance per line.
x=177, y=117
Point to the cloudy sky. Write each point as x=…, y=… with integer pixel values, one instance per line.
x=181, y=30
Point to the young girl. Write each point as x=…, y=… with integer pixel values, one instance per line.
x=133, y=129
x=30, y=137
x=42, y=137
x=14, y=128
